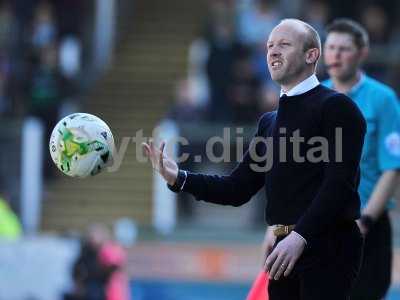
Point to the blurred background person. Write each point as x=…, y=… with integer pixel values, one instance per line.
x=10, y=226
x=185, y=107
x=223, y=48
x=44, y=30
x=98, y=272
x=45, y=93
x=256, y=20
x=89, y=275
x=345, y=50
x=245, y=90
x=112, y=257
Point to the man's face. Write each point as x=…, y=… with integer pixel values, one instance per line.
x=341, y=56
x=285, y=54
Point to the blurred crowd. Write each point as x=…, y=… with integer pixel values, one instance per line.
x=228, y=80
x=40, y=56
x=43, y=53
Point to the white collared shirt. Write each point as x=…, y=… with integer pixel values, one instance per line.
x=304, y=86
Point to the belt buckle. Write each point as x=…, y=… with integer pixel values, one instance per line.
x=286, y=228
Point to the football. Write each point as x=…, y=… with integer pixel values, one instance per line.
x=81, y=144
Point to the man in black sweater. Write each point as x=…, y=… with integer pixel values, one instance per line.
x=307, y=155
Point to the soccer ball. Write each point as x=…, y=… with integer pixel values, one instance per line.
x=81, y=145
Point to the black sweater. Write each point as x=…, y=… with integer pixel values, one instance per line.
x=313, y=195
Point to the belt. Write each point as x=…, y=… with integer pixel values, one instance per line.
x=282, y=230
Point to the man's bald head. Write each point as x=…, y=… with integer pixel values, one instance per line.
x=293, y=50
x=310, y=36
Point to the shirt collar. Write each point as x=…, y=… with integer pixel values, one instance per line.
x=304, y=86
x=354, y=89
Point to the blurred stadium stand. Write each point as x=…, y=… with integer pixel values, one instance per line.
x=150, y=55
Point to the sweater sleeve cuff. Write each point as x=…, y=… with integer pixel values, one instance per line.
x=300, y=236
x=179, y=183
x=302, y=230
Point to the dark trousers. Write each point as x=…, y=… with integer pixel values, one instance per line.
x=376, y=268
x=326, y=270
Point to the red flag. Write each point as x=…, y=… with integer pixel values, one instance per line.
x=259, y=288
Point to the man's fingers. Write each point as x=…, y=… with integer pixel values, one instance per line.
x=162, y=155
x=289, y=268
x=149, y=151
x=162, y=146
x=154, y=150
x=270, y=260
x=279, y=263
x=267, y=251
x=281, y=268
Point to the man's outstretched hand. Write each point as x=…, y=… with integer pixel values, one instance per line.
x=161, y=163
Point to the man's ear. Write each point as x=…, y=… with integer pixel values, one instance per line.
x=312, y=55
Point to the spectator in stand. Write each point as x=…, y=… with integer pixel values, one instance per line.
x=223, y=49
x=185, y=108
x=70, y=54
x=317, y=14
x=5, y=100
x=375, y=20
x=89, y=275
x=69, y=20
x=6, y=36
x=6, y=20
x=256, y=21
x=245, y=90
x=44, y=30
x=46, y=89
x=235, y=69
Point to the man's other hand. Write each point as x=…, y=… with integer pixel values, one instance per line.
x=283, y=258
